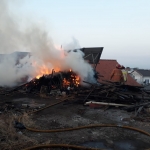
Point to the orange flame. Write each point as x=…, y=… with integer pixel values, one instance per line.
x=43, y=70
x=74, y=80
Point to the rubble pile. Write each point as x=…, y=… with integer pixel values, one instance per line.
x=130, y=98
x=124, y=94
x=106, y=95
x=47, y=83
x=53, y=81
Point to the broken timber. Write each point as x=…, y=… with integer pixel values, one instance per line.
x=107, y=104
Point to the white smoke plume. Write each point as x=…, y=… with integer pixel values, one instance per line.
x=43, y=52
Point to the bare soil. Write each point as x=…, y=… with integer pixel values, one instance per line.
x=68, y=115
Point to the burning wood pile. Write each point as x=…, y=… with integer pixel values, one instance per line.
x=60, y=81
x=96, y=95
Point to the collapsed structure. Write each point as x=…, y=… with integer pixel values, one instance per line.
x=100, y=93
x=63, y=79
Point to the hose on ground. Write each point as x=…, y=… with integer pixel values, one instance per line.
x=89, y=126
x=71, y=129
x=62, y=100
x=29, y=113
x=82, y=127
x=60, y=146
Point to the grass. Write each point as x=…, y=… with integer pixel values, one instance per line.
x=12, y=138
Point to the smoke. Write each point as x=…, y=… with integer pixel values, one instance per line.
x=75, y=61
x=43, y=57
x=10, y=33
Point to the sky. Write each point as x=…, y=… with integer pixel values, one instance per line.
x=122, y=27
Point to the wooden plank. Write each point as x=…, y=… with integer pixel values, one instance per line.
x=108, y=104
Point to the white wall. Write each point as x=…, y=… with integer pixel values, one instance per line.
x=137, y=77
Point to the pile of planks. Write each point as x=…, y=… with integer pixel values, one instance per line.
x=128, y=97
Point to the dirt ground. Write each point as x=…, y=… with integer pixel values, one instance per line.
x=68, y=115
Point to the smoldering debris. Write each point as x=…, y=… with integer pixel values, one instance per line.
x=129, y=98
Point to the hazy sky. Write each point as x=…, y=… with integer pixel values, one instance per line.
x=122, y=27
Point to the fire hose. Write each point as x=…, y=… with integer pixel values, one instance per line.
x=89, y=126
x=60, y=145
x=76, y=128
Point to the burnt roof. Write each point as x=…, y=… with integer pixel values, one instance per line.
x=143, y=72
x=92, y=54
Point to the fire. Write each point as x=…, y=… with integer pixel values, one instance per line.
x=77, y=80
x=66, y=82
x=43, y=70
x=72, y=80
